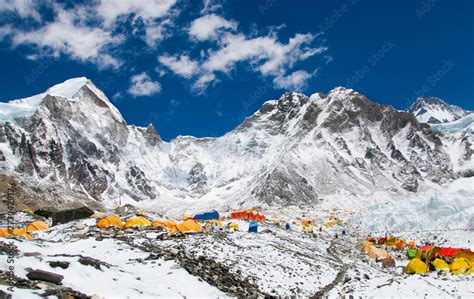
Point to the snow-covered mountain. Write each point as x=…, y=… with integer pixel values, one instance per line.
x=435, y=111
x=71, y=144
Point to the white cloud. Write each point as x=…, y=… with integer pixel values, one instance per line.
x=211, y=6
x=111, y=10
x=180, y=65
x=142, y=85
x=266, y=55
x=66, y=36
x=86, y=32
x=153, y=34
x=24, y=8
x=294, y=81
x=208, y=27
x=203, y=82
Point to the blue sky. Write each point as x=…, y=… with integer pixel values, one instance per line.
x=199, y=67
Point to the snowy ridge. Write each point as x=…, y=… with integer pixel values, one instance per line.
x=337, y=148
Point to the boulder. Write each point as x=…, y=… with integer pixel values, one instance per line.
x=45, y=276
x=66, y=216
x=56, y=264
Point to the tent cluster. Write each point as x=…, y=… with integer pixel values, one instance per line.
x=189, y=225
x=392, y=242
x=249, y=215
x=431, y=258
x=423, y=259
x=32, y=227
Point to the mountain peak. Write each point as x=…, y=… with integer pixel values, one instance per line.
x=71, y=89
x=434, y=110
x=68, y=88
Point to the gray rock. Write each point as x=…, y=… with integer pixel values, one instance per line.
x=45, y=276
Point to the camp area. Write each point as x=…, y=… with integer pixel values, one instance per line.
x=421, y=259
x=315, y=247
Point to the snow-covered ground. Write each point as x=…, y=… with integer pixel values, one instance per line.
x=125, y=278
x=275, y=261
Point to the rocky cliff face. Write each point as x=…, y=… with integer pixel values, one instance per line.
x=71, y=140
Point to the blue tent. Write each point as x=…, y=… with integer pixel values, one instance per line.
x=253, y=227
x=214, y=215
x=287, y=226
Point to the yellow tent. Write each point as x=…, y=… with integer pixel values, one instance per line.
x=416, y=266
x=169, y=224
x=440, y=264
x=36, y=225
x=4, y=232
x=467, y=254
x=329, y=224
x=234, y=226
x=377, y=253
x=214, y=222
x=460, y=266
x=137, y=221
x=111, y=220
x=189, y=225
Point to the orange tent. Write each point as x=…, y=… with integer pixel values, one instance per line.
x=169, y=224
x=400, y=244
x=189, y=225
x=391, y=241
x=20, y=232
x=4, y=232
x=36, y=226
x=137, y=221
x=111, y=220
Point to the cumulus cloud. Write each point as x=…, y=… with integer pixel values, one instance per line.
x=209, y=26
x=110, y=11
x=265, y=55
x=294, y=81
x=66, y=36
x=86, y=32
x=180, y=65
x=24, y=8
x=142, y=85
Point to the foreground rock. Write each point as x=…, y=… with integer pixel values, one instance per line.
x=45, y=276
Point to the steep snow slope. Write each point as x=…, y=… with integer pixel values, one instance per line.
x=458, y=139
x=334, y=148
x=434, y=111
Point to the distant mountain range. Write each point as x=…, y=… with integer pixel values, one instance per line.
x=70, y=145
